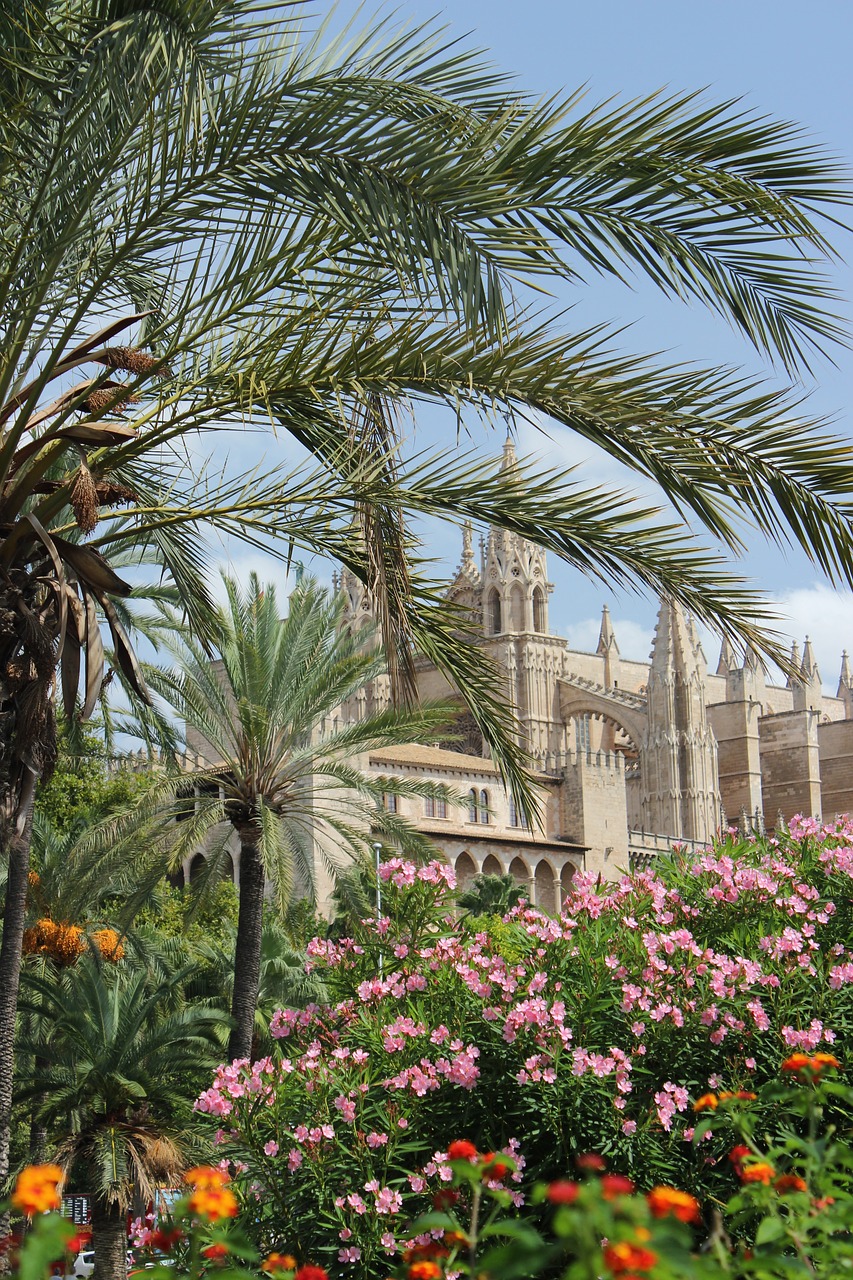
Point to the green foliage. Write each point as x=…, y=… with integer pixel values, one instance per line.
x=491, y=895
x=82, y=786
x=212, y=922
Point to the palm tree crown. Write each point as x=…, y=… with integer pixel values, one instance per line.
x=267, y=718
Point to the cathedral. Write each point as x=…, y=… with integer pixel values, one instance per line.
x=629, y=757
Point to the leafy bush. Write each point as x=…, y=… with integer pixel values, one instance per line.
x=544, y=1039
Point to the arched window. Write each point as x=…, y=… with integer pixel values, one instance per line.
x=429, y=807
x=516, y=608
x=472, y=805
x=517, y=816
x=494, y=613
x=441, y=808
x=484, y=807
x=538, y=609
x=390, y=802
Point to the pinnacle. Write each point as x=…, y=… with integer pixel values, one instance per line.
x=808, y=669
x=727, y=657
x=606, y=636
x=844, y=679
x=509, y=460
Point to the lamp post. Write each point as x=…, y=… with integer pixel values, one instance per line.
x=377, y=850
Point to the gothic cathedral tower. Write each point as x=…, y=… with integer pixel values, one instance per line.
x=678, y=754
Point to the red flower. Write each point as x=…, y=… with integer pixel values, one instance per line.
x=163, y=1241
x=445, y=1198
x=462, y=1149
x=737, y=1155
x=615, y=1184
x=494, y=1167
x=310, y=1272
x=563, y=1192
x=78, y=1241
x=591, y=1161
x=216, y=1252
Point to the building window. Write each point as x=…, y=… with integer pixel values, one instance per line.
x=472, y=805
x=484, y=807
x=390, y=802
x=538, y=609
x=517, y=816
x=441, y=808
x=435, y=808
x=494, y=613
x=429, y=807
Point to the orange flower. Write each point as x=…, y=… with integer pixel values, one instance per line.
x=796, y=1062
x=424, y=1271
x=626, y=1257
x=737, y=1155
x=708, y=1102
x=311, y=1272
x=214, y=1204
x=666, y=1201
x=37, y=1189
x=761, y=1171
x=216, y=1251
x=206, y=1177
x=790, y=1182
x=279, y=1262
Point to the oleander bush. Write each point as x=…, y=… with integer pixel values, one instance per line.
x=638, y=1026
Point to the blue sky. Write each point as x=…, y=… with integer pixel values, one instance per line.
x=786, y=59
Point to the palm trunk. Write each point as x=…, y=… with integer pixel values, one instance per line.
x=247, y=951
x=14, y=915
x=109, y=1240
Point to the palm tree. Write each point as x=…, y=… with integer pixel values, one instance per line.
x=281, y=757
x=491, y=895
x=115, y=1058
x=278, y=230
x=283, y=982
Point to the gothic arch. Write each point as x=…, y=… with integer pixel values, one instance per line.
x=466, y=869
x=493, y=612
x=517, y=620
x=491, y=866
x=630, y=720
x=196, y=867
x=546, y=892
x=567, y=875
x=538, y=610
x=520, y=873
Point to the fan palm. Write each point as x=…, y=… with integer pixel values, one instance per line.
x=281, y=756
x=115, y=1065
x=211, y=219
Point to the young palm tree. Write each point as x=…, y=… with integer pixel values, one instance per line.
x=267, y=718
x=211, y=220
x=115, y=1065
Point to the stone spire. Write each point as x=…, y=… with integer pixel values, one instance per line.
x=678, y=755
x=807, y=689
x=727, y=661
x=609, y=650
x=844, y=678
x=466, y=589
x=606, y=635
x=509, y=461
x=795, y=664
